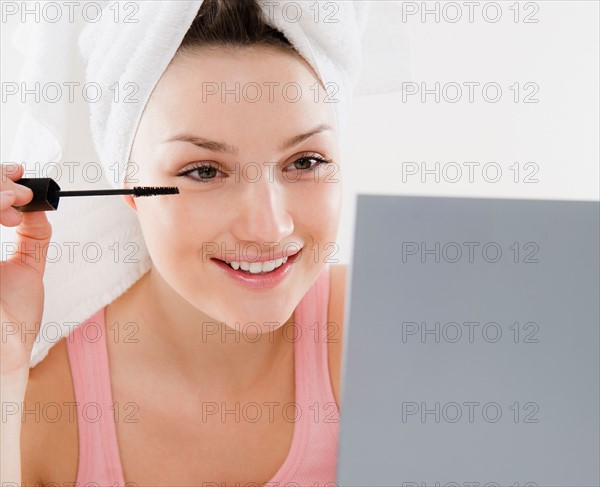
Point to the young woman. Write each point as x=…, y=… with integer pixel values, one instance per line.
x=231, y=378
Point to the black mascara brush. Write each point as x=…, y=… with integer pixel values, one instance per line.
x=47, y=192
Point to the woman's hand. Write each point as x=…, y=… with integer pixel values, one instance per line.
x=21, y=287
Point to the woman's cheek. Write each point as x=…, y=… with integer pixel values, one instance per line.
x=163, y=228
x=324, y=203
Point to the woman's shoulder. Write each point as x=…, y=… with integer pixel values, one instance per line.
x=49, y=420
x=335, y=319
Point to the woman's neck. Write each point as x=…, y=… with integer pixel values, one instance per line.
x=180, y=340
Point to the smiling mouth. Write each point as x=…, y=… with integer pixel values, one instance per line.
x=257, y=267
x=254, y=268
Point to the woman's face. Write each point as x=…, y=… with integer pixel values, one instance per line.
x=224, y=128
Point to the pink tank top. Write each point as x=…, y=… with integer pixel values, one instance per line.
x=312, y=458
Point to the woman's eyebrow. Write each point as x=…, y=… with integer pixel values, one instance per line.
x=217, y=146
x=296, y=139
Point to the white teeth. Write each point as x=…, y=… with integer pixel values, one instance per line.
x=258, y=267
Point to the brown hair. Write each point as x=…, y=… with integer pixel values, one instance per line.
x=232, y=23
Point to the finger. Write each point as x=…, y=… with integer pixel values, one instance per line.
x=7, y=198
x=9, y=216
x=10, y=172
x=33, y=237
x=23, y=194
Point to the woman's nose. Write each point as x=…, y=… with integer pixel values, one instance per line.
x=264, y=213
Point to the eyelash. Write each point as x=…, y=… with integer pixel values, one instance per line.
x=195, y=168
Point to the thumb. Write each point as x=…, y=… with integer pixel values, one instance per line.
x=33, y=237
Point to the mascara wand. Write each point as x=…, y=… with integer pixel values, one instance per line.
x=47, y=192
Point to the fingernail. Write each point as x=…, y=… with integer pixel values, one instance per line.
x=24, y=189
x=8, y=194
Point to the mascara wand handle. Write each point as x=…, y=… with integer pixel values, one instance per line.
x=95, y=192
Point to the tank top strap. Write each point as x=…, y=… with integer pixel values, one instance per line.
x=317, y=333
x=98, y=449
x=313, y=455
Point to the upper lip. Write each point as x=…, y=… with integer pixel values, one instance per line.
x=267, y=257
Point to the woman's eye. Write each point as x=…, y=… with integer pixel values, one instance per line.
x=203, y=172
x=305, y=163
